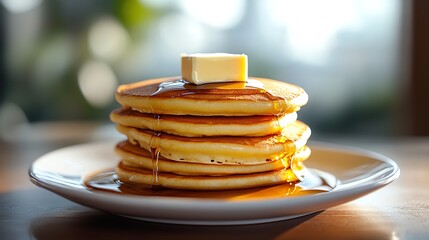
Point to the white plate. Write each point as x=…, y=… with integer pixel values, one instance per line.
x=358, y=172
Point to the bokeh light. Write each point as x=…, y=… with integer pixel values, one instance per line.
x=19, y=6
x=108, y=39
x=97, y=81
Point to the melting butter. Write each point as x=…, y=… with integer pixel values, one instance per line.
x=217, y=67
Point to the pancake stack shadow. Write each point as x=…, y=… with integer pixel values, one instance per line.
x=218, y=136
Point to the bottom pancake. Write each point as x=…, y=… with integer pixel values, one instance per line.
x=134, y=156
x=229, y=182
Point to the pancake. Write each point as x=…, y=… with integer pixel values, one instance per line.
x=197, y=126
x=134, y=156
x=174, y=96
x=171, y=180
x=222, y=150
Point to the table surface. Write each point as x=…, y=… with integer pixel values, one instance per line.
x=398, y=211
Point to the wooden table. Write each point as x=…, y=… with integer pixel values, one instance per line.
x=398, y=211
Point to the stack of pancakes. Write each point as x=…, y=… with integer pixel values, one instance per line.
x=214, y=136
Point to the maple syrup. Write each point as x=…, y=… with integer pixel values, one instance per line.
x=313, y=182
x=180, y=88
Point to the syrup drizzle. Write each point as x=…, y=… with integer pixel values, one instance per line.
x=155, y=168
x=155, y=153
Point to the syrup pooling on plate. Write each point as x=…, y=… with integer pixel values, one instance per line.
x=313, y=182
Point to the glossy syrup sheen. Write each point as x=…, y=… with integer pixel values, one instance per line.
x=179, y=88
x=313, y=182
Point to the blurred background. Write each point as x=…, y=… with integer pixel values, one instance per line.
x=62, y=60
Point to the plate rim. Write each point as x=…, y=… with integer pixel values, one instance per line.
x=313, y=144
x=216, y=204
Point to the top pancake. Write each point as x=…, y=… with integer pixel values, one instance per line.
x=259, y=96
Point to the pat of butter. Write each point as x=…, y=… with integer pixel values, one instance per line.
x=214, y=67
